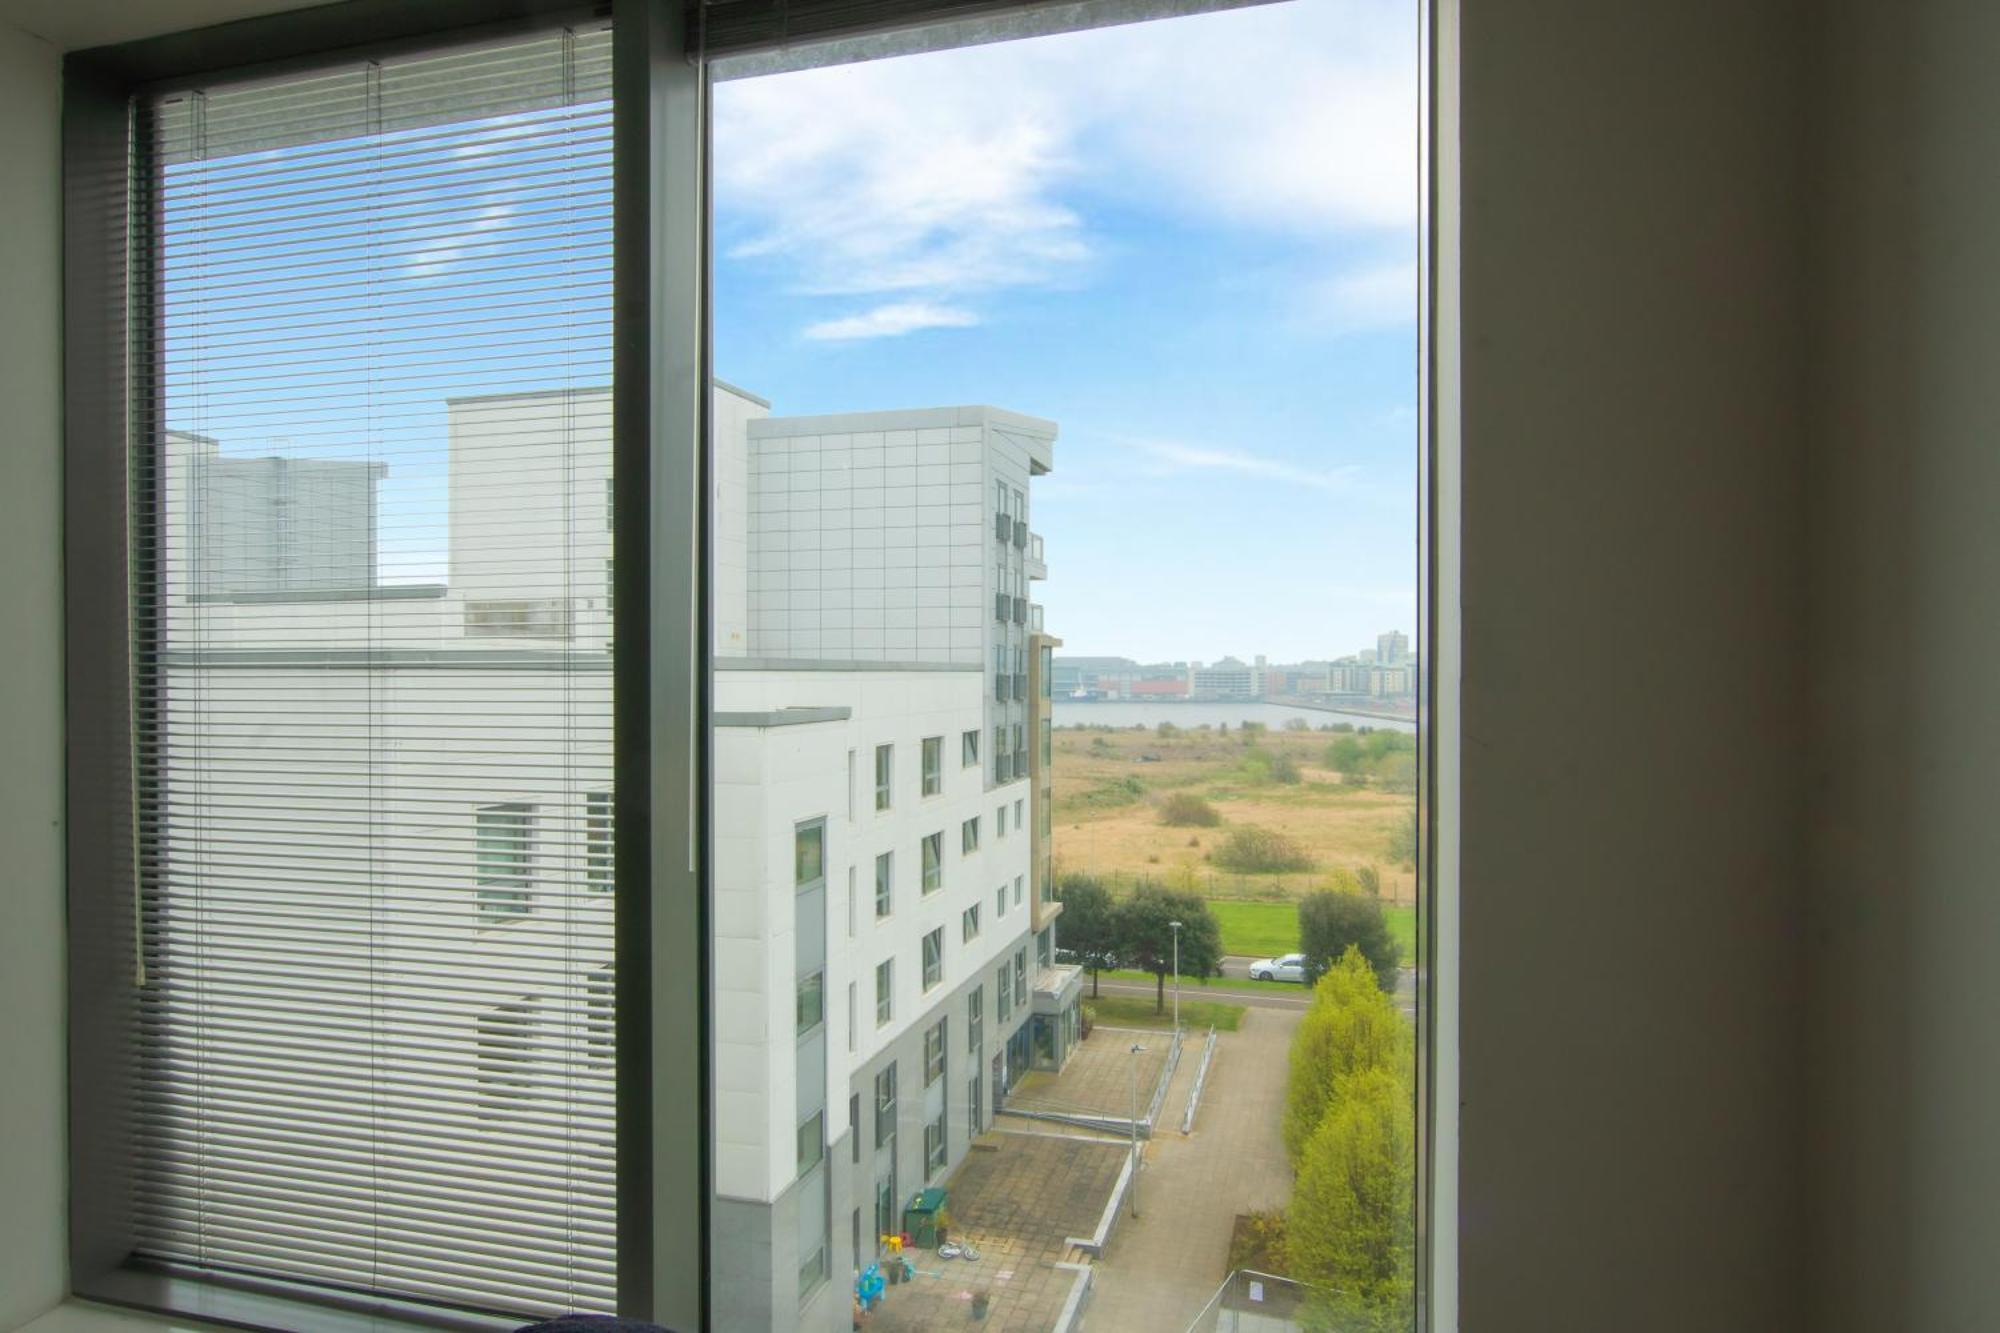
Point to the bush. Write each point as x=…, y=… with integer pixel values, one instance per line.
x=1284, y=768
x=1110, y=795
x=1297, y=724
x=1258, y=850
x=1184, y=809
x=1257, y=1242
x=1403, y=840
x=1167, y=729
x=1343, y=755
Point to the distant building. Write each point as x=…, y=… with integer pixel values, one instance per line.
x=1393, y=648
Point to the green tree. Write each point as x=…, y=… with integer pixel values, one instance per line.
x=1351, y=1223
x=1343, y=754
x=1350, y=1026
x=1403, y=839
x=1089, y=923
x=1146, y=940
x=1331, y=921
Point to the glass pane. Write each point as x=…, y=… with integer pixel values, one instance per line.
x=1070, y=409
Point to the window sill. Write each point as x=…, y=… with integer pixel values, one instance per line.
x=74, y=1316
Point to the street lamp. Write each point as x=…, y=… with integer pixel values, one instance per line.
x=1133, y=1191
x=1177, y=974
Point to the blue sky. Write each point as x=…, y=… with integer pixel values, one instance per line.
x=1191, y=243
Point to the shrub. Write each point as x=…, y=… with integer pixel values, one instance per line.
x=1403, y=840
x=1257, y=850
x=1112, y=794
x=1369, y=880
x=1284, y=768
x=1257, y=1242
x=1184, y=809
x=1297, y=724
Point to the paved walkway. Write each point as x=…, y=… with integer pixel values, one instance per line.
x=1159, y=1269
x=1099, y=1078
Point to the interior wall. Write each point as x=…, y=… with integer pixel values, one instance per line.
x=1904, y=845
x=31, y=691
x=1632, y=564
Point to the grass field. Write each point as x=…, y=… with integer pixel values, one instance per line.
x=1264, y=930
x=1109, y=785
x=1227, y=983
x=1126, y=1011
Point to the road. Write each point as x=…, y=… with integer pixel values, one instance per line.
x=1235, y=968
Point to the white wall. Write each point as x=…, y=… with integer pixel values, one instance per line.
x=1904, y=1097
x=31, y=696
x=1630, y=1013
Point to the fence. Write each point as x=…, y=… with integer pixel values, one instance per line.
x=1200, y=1081
x=1253, y=1302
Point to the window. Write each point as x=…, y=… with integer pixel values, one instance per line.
x=1000, y=822
x=852, y=1036
x=506, y=1049
x=1003, y=765
x=597, y=841
x=1043, y=948
x=975, y=1018
x=1019, y=882
x=968, y=749
x=933, y=958
x=885, y=763
x=812, y=1272
x=502, y=846
x=885, y=884
x=854, y=1129
x=1004, y=993
x=933, y=765
x=1020, y=976
x=885, y=991
x=934, y=1039
x=934, y=1146
x=885, y=1104
x=968, y=925
x=1000, y=903
x=809, y=854
x=933, y=858
x=1020, y=815
x=811, y=1002
x=812, y=1142
x=968, y=836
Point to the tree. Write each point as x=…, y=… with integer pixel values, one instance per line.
x=1331, y=921
x=1351, y=1223
x=1146, y=940
x=1089, y=923
x=1350, y=1026
x=1403, y=839
x=1184, y=809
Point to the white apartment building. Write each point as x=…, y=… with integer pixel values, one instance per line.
x=883, y=936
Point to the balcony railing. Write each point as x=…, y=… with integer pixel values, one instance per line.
x=1035, y=617
x=1037, y=566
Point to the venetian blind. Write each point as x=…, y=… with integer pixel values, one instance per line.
x=372, y=627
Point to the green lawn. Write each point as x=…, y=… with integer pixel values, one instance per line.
x=1126, y=1011
x=1264, y=930
x=1226, y=983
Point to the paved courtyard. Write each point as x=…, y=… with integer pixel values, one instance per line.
x=1017, y=1197
x=1159, y=1269
x=1098, y=1078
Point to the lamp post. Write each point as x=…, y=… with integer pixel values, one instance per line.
x=1177, y=974
x=1132, y=1193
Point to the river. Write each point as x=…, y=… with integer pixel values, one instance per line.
x=1150, y=713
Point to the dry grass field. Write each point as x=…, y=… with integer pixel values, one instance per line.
x=1109, y=786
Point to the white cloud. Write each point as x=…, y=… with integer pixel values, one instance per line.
x=962, y=172
x=1168, y=458
x=1374, y=296
x=892, y=321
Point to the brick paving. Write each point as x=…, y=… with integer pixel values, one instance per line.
x=1159, y=1269
x=1098, y=1078
x=1017, y=1197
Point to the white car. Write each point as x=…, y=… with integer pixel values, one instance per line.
x=1290, y=967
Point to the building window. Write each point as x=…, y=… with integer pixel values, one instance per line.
x=933, y=958
x=854, y=1133
x=1042, y=948
x=969, y=924
x=502, y=840
x=1048, y=741
x=934, y=1052
x=811, y=1273
x=885, y=765
x=975, y=1018
x=811, y=1002
x=505, y=1049
x=1021, y=976
x=933, y=765
x=885, y=1104
x=1020, y=813
x=1000, y=822
x=885, y=884
x=934, y=1154
x=933, y=850
x=1019, y=881
x=597, y=841
x=968, y=749
x=812, y=1142
x=852, y=1036
x=1003, y=768
x=1000, y=903
x=885, y=991
x=1005, y=993
x=968, y=836
x=598, y=1003
x=809, y=854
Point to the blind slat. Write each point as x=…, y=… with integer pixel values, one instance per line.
x=372, y=618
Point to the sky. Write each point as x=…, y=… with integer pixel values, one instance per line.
x=1191, y=243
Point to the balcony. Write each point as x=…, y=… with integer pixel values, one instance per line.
x=1037, y=568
